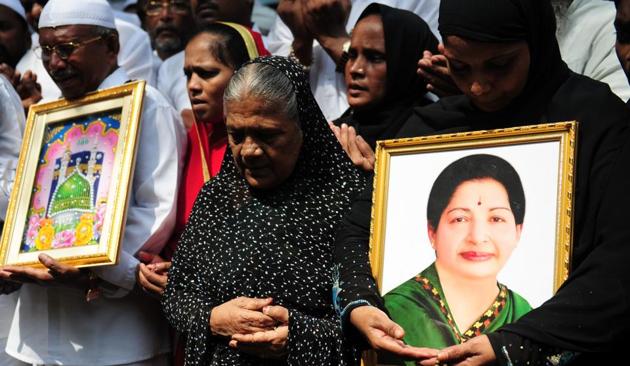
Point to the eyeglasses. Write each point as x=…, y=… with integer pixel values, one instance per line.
x=63, y=50
x=153, y=8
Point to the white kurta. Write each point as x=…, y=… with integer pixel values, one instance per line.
x=56, y=325
x=11, y=130
x=172, y=82
x=328, y=86
x=135, y=57
x=587, y=44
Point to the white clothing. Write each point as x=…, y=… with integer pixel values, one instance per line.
x=587, y=44
x=328, y=86
x=11, y=130
x=57, y=325
x=156, y=63
x=172, y=81
x=135, y=52
x=16, y=6
x=134, y=57
x=57, y=13
x=128, y=17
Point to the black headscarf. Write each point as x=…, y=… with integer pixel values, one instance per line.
x=504, y=21
x=590, y=313
x=277, y=243
x=406, y=37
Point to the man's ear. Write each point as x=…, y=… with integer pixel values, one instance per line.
x=113, y=42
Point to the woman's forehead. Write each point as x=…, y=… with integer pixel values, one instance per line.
x=469, y=50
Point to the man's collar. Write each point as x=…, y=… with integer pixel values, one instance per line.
x=116, y=78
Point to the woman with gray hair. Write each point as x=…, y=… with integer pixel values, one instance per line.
x=250, y=281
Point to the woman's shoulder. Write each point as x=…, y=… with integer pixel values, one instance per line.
x=447, y=115
x=518, y=304
x=588, y=101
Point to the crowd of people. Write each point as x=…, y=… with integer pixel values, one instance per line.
x=247, y=234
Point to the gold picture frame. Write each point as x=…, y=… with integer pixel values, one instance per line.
x=73, y=179
x=402, y=239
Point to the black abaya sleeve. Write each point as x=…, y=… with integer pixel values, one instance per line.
x=354, y=284
x=590, y=313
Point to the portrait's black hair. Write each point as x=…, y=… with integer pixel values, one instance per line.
x=230, y=48
x=474, y=167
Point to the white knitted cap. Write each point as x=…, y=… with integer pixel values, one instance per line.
x=58, y=13
x=16, y=6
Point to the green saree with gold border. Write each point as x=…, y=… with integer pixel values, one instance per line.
x=419, y=306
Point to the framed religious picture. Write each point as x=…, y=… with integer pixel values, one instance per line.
x=73, y=179
x=470, y=231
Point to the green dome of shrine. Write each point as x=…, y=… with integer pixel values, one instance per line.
x=73, y=194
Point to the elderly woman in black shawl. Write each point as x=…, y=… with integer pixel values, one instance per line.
x=250, y=281
x=504, y=57
x=383, y=86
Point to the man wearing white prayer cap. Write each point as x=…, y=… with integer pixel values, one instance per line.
x=53, y=322
x=15, y=39
x=134, y=57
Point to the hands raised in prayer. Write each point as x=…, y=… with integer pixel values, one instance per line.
x=358, y=150
x=270, y=343
x=434, y=70
x=323, y=20
x=27, y=87
x=54, y=274
x=326, y=18
x=291, y=13
x=475, y=352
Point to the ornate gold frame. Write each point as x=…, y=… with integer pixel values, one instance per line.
x=129, y=99
x=564, y=132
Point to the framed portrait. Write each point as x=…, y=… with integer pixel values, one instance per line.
x=73, y=179
x=472, y=230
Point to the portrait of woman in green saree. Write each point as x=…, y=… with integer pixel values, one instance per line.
x=475, y=215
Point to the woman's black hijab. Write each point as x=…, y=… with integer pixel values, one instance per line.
x=278, y=243
x=406, y=37
x=496, y=21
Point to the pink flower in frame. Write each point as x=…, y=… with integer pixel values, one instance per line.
x=64, y=239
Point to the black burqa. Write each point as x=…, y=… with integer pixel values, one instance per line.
x=590, y=314
x=406, y=37
x=275, y=243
